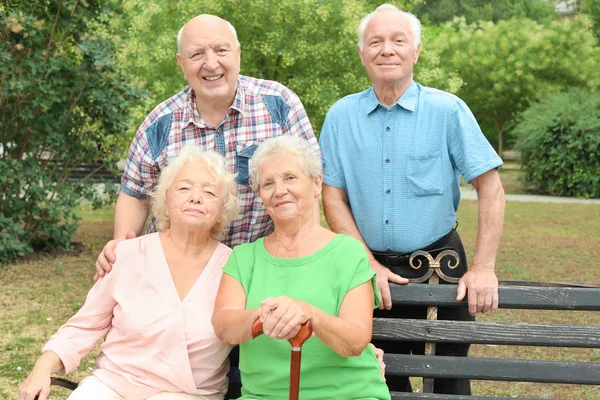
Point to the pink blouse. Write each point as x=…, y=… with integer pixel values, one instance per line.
x=154, y=342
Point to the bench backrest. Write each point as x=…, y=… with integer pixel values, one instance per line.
x=523, y=334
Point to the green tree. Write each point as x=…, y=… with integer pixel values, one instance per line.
x=559, y=140
x=309, y=46
x=440, y=11
x=507, y=66
x=591, y=8
x=63, y=101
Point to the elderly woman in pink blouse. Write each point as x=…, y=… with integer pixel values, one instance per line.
x=154, y=310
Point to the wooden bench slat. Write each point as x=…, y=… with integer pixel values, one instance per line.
x=487, y=333
x=432, y=396
x=517, y=297
x=584, y=373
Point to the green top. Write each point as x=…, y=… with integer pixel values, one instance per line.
x=321, y=279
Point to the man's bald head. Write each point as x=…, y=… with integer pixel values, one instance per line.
x=205, y=21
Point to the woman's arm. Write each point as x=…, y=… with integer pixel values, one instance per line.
x=38, y=381
x=347, y=335
x=231, y=321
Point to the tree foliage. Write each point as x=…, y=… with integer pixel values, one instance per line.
x=309, y=46
x=63, y=101
x=559, y=140
x=508, y=65
x=591, y=8
x=440, y=11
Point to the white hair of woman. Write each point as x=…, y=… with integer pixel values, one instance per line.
x=309, y=158
x=225, y=181
x=415, y=24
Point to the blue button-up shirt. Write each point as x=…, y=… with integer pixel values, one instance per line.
x=401, y=166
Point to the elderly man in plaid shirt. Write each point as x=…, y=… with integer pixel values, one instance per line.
x=220, y=110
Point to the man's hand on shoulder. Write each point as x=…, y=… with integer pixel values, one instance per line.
x=481, y=286
x=107, y=256
x=384, y=276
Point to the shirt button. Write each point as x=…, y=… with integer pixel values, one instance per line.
x=387, y=221
x=387, y=160
x=388, y=191
x=220, y=130
x=387, y=129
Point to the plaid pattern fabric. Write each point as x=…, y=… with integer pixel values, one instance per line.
x=261, y=110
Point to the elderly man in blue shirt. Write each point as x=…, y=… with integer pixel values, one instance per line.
x=393, y=157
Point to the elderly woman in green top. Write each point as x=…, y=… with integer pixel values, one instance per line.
x=300, y=272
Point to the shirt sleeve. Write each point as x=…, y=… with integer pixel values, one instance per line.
x=141, y=173
x=232, y=269
x=363, y=273
x=80, y=333
x=332, y=167
x=470, y=152
x=298, y=123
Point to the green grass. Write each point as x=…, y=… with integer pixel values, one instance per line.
x=545, y=242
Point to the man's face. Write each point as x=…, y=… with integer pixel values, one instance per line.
x=210, y=59
x=389, y=52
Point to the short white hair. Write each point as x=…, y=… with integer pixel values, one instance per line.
x=225, y=181
x=415, y=24
x=308, y=156
x=231, y=27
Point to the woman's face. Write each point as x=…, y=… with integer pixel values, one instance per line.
x=194, y=200
x=286, y=190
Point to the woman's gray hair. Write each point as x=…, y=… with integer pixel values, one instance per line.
x=415, y=24
x=225, y=181
x=309, y=157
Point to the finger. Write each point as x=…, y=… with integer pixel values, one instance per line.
x=109, y=254
x=99, y=269
x=392, y=277
x=44, y=393
x=461, y=291
x=96, y=276
x=487, y=305
x=130, y=235
x=472, y=300
x=495, y=301
x=283, y=321
x=381, y=305
x=291, y=329
x=264, y=313
x=386, y=296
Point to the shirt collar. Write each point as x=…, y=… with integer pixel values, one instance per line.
x=192, y=116
x=408, y=100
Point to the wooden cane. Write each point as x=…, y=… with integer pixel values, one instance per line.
x=296, y=342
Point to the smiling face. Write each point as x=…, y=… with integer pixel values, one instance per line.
x=287, y=192
x=210, y=59
x=388, y=52
x=194, y=199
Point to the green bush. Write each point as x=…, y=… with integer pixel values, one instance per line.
x=559, y=140
x=63, y=102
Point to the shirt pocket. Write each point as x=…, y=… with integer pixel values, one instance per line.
x=244, y=153
x=424, y=174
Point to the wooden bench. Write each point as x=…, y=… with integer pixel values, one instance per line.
x=517, y=295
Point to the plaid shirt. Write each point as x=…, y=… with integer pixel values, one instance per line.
x=261, y=110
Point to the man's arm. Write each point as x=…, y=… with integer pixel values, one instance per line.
x=130, y=216
x=340, y=220
x=480, y=280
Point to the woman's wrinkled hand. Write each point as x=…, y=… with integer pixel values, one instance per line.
x=282, y=316
x=379, y=355
x=37, y=383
